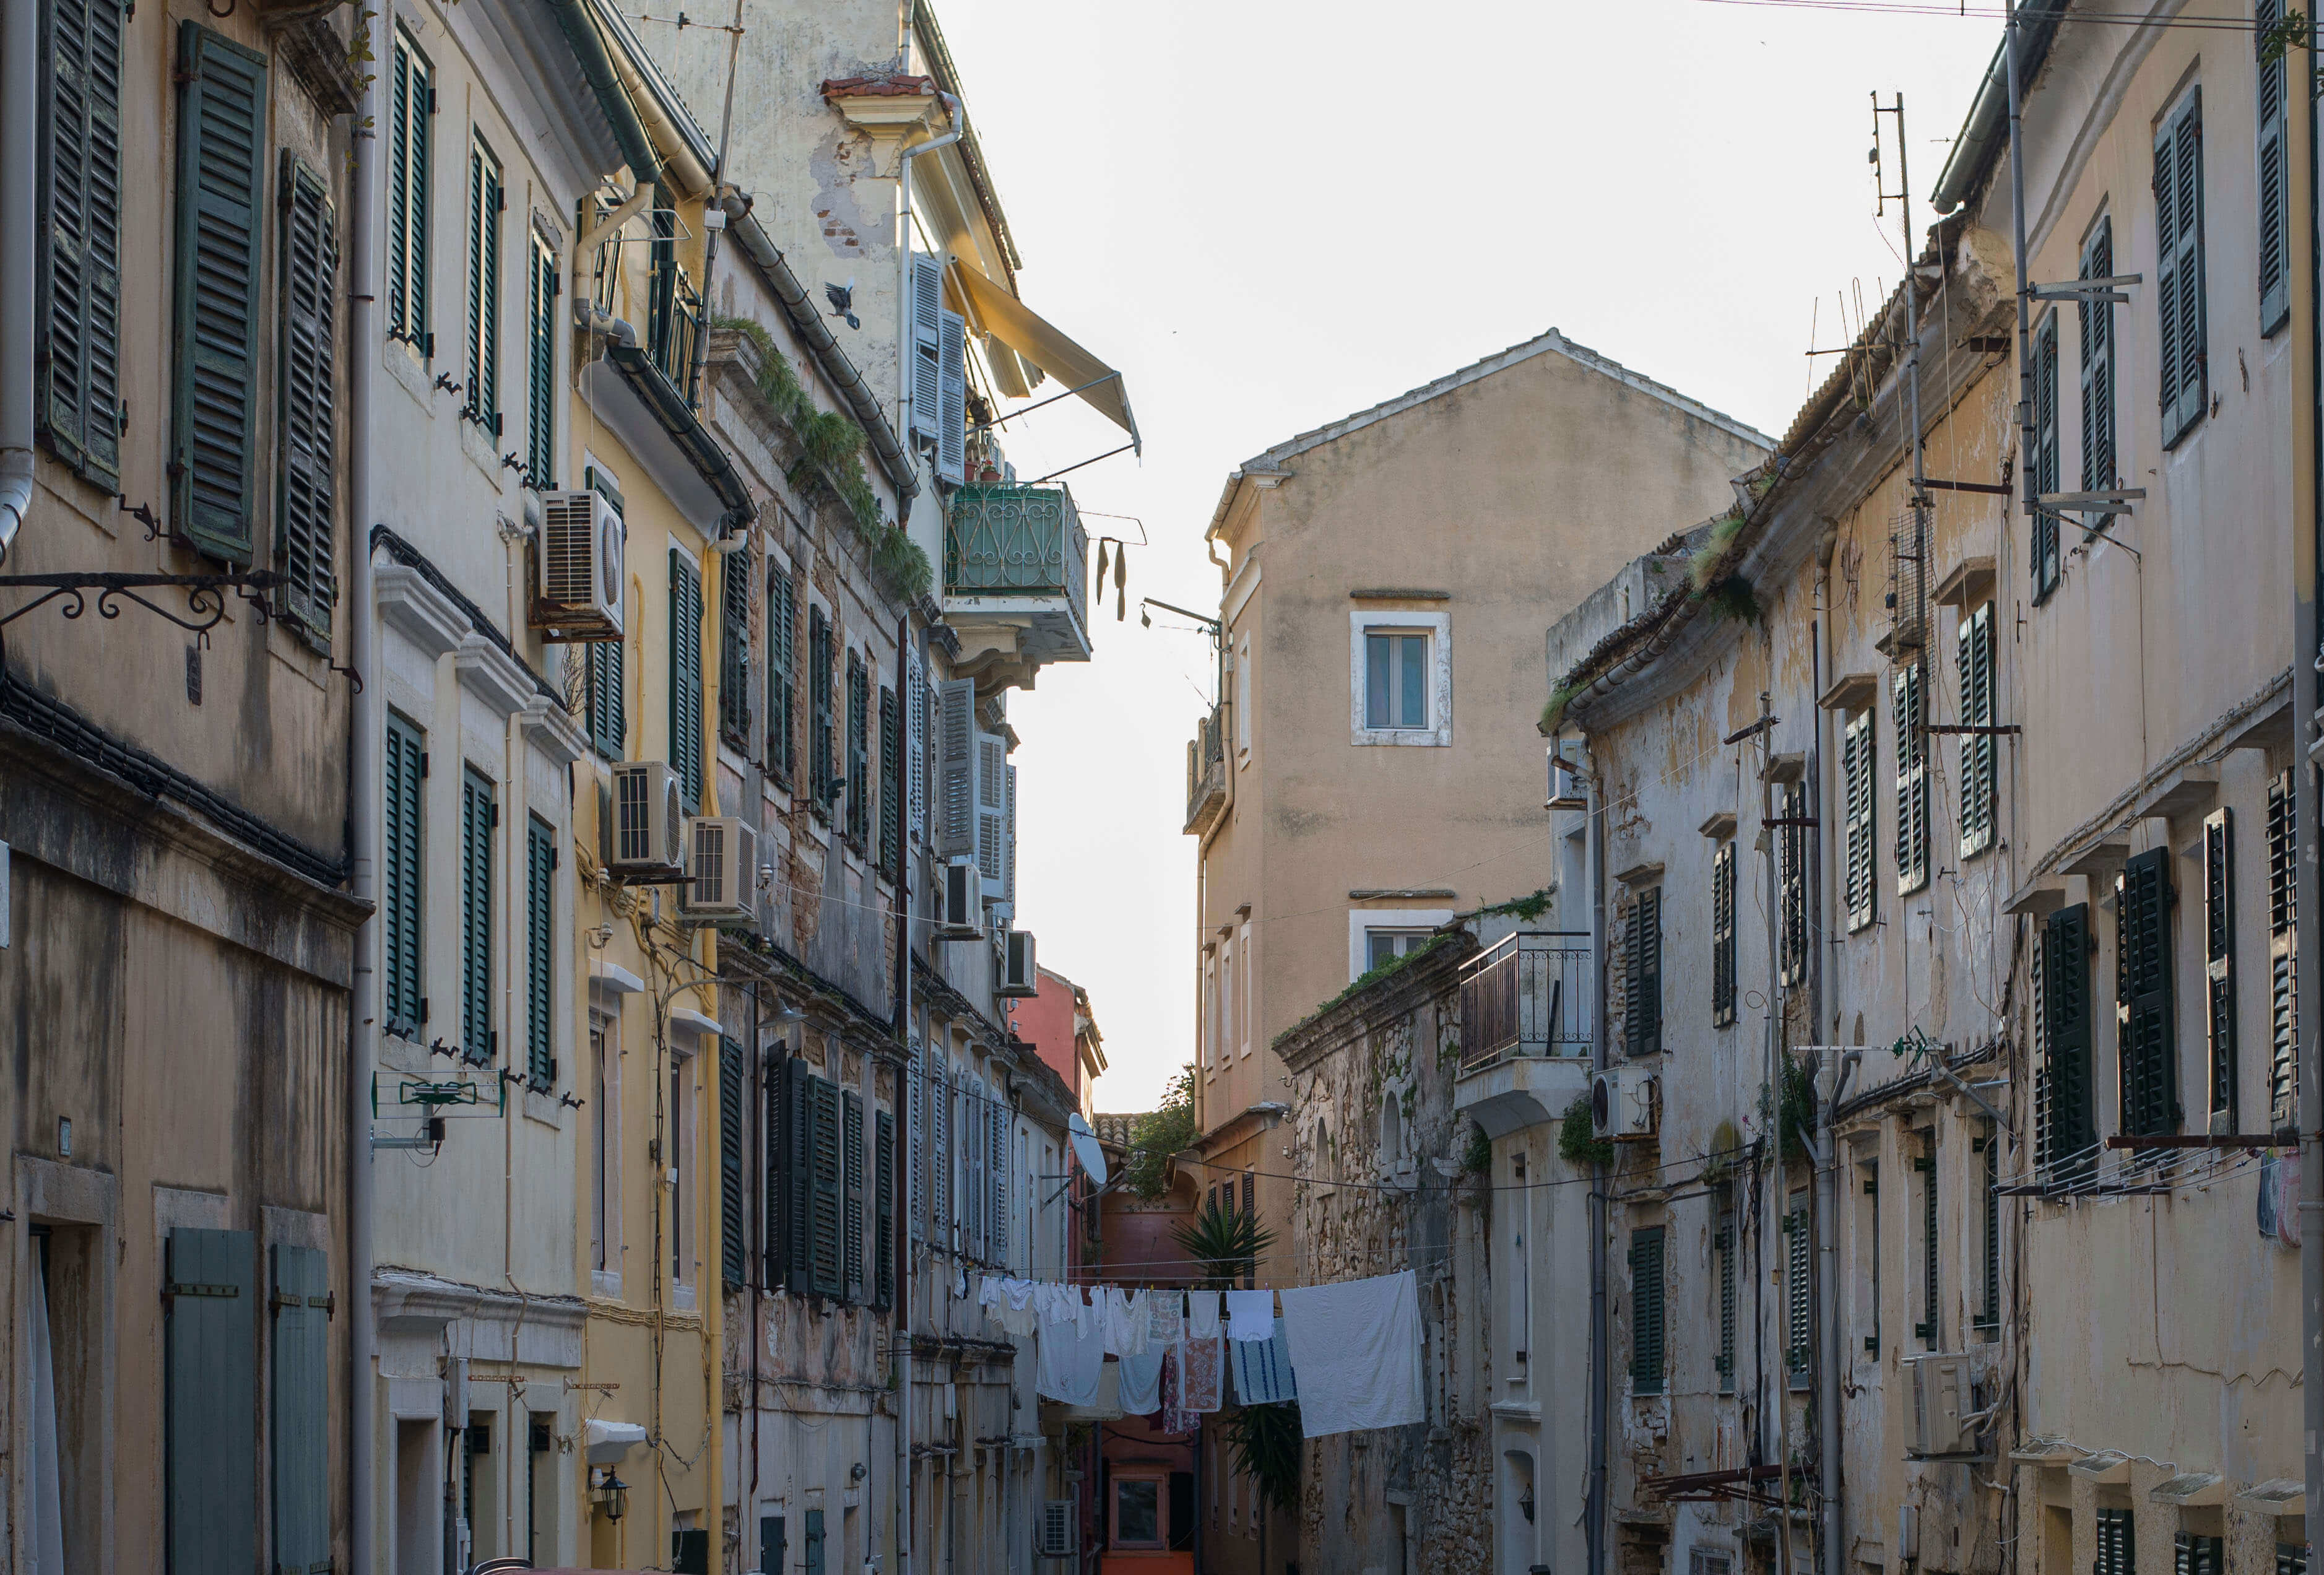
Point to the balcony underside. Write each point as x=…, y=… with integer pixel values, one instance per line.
x=1520, y=1092
x=1005, y=640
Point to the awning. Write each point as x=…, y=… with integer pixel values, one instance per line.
x=1017, y=326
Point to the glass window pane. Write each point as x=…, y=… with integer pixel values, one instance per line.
x=1138, y=1512
x=1380, y=946
x=1379, y=651
x=1415, y=667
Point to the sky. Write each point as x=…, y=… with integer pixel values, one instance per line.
x=1268, y=214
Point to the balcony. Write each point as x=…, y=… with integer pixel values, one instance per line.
x=1015, y=581
x=1206, y=773
x=674, y=328
x=1526, y=1029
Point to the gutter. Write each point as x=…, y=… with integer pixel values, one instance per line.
x=20, y=40
x=678, y=418
x=1986, y=132
x=589, y=48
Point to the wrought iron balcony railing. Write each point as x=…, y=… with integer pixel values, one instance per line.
x=1526, y=995
x=1018, y=543
x=1206, y=772
x=674, y=329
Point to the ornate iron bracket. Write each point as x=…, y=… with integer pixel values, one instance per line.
x=143, y=514
x=205, y=596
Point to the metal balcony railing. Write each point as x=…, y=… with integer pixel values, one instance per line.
x=1526, y=995
x=1016, y=542
x=1206, y=771
x=675, y=328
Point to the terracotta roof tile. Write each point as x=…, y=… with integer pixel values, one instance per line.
x=878, y=87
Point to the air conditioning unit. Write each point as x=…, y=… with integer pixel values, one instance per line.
x=579, y=592
x=649, y=822
x=960, y=892
x=723, y=865
x=1622, y=1104
x=1945, y=1416
x=1060, y=1530
x=1019, y=973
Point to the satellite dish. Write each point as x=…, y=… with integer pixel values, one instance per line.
x=1085, y=1149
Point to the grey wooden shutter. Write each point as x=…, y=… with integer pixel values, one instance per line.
x=782, y=680
x=734, y=650
x=77, y=384
x=951, y=408
x=1910, y=713
x=1856, y=768
x=820, y=769
x=884, y=1209
x=2181, y=356
x=543, y=287
x=1008, y=845
x=2044, y=536
x=2274, y=177
x=996, y=1165
x=926, y=311
x=1799, y=1301
x=210, y=1405
x=485, y=201
x=400, y=885
x=305, y=393
x=1723, y=935
x=813, y=1552
x=300, y=1441
x=972, y=1132
x=1724, y=1244
x=2143, y=995
x=734, y=1122
x=2099, y=470
x=850, y=1163
x=957, y=767
x=916, y=1144
x=540, y=951
x=214, y=403
x=2065, y=1002
x=2037, y=979
x=940, y=1155
x=685, y=677
x=859, y=751
x=2282, y=955
x=828, y=1194
x=411, y=134
x=993, y=814
x=916, y=748
x=1647, y=1311
x=892, y=785
x=477, y=815
x=1980, y=777
x=2219, y=961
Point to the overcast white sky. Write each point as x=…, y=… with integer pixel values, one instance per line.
x=1269, y=213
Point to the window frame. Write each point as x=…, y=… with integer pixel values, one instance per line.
x=1437, y=627
x=487, y=202
x=1362, y=921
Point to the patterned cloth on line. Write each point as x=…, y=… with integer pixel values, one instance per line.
x=1201, y=1375
x=1262, y=1369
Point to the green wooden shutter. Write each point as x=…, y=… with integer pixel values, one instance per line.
x=1643, y=972
x=791, y=1182
x=400, y=878
x=1799, y=1301
x=485, y=201
x=210, y=1408
x=1724, y=1243
x=306, y=497
x=734, y=651
x=413, y=91
x=2282, y=954
x=608, y=723
x=891, y=784
x=1929, y=1330
x=827, y=1194
x=77, y=382
x=851, y=1169
x=2044, y=467
x=1647, y=1311
x=2197, y=1555
x=820, y=767
x=2274, y=178
x=782, y=613
x=735, y=1256
x=544, y=286
x=1856, y=768
x=2117, y=1549
x=686, y=677
x=1723, y=935
x=539, y=937
x=1908, y=709
x=814, y=1542
x=2065, y=1001
x=2180, y=357
x=1980, y=778
x=916, y=1144
x=859, y=752
x=2220, y=960
x=302, y=1413
x=214, y=384
x=476, y=809
x=884, y=1209
x=2143, y=995
x=1988, y=1319
x=2100, y=472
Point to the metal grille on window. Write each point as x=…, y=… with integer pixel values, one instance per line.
x=2283, y=952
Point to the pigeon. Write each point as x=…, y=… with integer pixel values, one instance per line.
x=842, y=298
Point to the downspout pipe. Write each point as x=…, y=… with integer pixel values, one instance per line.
x=20, y=48
x=1828, y=1360
x=2308, y=447
x=901, y=1333
x=1600, y=1048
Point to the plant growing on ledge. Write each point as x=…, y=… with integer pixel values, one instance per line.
x=1575, y=1144
x=1224, y=1242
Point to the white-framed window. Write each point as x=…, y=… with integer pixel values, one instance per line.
x=1209, y=1045
x=1228, y=1037
x=1401, y=677
x=1380, y=934
x=1250, y=1003
x=1242, y=727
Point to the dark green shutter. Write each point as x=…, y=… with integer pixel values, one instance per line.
x=2219, y=959
x=78, y=383
x=891, y=784
x=826, y=1194
x=734, y=1257
x=884, y=1209
x=815, y=1543
x=1929, y=1330
x=2197, y=1555
x=301, y=1412
x=851, y=1217
x=1979, y=755
x=399, y=878
x=1724, y=1243
x=2072, y=1129
x=1643, y=999
x=485, y=201
x=2181, y=356
x=1647, y=1311
x=2143, y=995
x=608, y=725
x=2282, y=955
x=1723, y=935
x=774, y=1210
x=734, y=651
x=221, y=172
x=2274, y=178
x=1989, y=1317
x=408, y=167
x=306, y=497
x=210, y=1408
x=476, y=914
x=1792, y=893
x=686, y=677
x=820, y=768
x=539, y=935
x=790, y=1183
x=782, y=611
x=2098, y=459
x=2117, y=1548
x=1799, y=1299
x=2044, y=467
x=1909, y=714
x=859, y=752
x=541, y=368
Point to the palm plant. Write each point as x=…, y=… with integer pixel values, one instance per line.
x=1225, y=1242
x=1266, y=1441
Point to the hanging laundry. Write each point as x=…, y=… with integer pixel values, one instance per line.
x=1201, y=1314
x=1019, y=1316
x=1262, y=1368
x=989, y=1294
x=1056, y=1302
x=1089, y=1316
x=1250, y=1314
x=1201, y=1375
x=1069, y=1365
x=1126, y=1323
x=1142, y=1383
x=1167, y=1318
x=1176, y=1418
x=1356, y=1349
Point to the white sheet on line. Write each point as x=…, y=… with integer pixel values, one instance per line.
x=1356, y=1348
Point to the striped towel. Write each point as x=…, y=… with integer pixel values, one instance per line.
x=1262, y=1369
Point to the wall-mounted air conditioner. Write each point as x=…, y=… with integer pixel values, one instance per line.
x=960, y=906
x=1019, y=975
x=1622, y=1103
x=649, y=822
x=578, y=592
x=1944, y=1404
x=1060, y=1530
x=723, y=865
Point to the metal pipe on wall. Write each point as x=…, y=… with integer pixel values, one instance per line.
x=1600, y=1329
x=20, y=109
x=2306, y=515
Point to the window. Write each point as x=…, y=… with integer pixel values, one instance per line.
x=1980, y=777
x=1249, y=995
x=411, y=93
x=1396, y=680
x=2283, y=952
x=605, y=1185
x=685, y=677
x=1799, y=1290
x=2099, y=466
x=1987, y=1322
x=601, y=659
x=214, y=360
x=2065, y=1104
x=851, y=1192
x=859, y=752
x=2143, y=995
x=2044, y=466
x=1641, y=974
x=402, y=813
x=782, y=675
x=2180, y=356
x=306, y=401
x=1140, y=1517
x=891, y=784
x=733, y=1121
x=1723, y=935
x=734, y=650
x=478, y=815
x=542, y=286
x=675, y=1155
x=1791, y=806
x=1382, y=947
x=485, y=202
x=2220, y=962
x=78, y=221
x=2274, y=177
x=1646, y=1311
x=821, y=768
x=1723, y=1244
x=2117, y=1551
x=539, y=950
x=1856, y=777
x=1909, y=710
x=1929, y=1330
x=1868, y=1256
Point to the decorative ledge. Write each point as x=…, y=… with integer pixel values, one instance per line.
x=417, y=610
x=694, y=1022
x=1719, y=827
x=2277, y=1495
x=1788, y=767
x=1850, y=693
x=2108, y=1469
x=496, y=678
x=1396, y=594
x=1965, y=584
x=614, y=979
x=553, y=732
x=2196, y=1489
x=1641, y=873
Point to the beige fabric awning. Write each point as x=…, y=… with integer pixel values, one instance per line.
x=1023, y=330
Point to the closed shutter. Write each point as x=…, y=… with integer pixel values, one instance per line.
x=1988, y=1318
x=1909, y=714
x=952, y=407
x=1791, y=801
x=1722, y=935
x=2143, y=995
x=2219, y=961
x=796, y=1180
x=851, y=1163
x=1799, y=1300
x=221, y=149
x=300, y=1417
x=1647, y=1311
x=2044, y=467
x=2274, y=177
x=485, y=201
x=916, y=747
x=940, y=1155
x=956, y=761
x=782, y=680
x=76, y=386
x=400, y=878
x=2116, y=1549
x=916, y=1144
x=476, y=816
x=733, y=1230
x=971, y=1131
x=1928, y=1330
x=686, y=677
x=1008, y=844
x=884, y=1209
x=2180, y=357
x=927, y=313
x=826, y=1193
x=892, y=785
x=410, y=137
x=734, y=650
x=1643, y=970
x=1724, y=1243
x=539, y=950
x=2197, y=1555
x=210, y=1408
x=997, y=1167
x=306, y=507
x=993, y=814
x=608, y=721
x=1856, y=768
x=820, y=768
x=859, y=751
x=1979, y=755
x=2065, y=1000
x=2282, y=955
x=2099, y=464
x=542, y=288
x=2037, y=979
x=813, y=1544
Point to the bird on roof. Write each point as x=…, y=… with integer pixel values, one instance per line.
x=842, y=298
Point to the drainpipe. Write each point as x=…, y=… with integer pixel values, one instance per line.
x=366, y=727
x=1600, y=1367
x=1835, y=1350
x=20, y=48
x=2307, y=450
x=711, y=233
x=901, y=1334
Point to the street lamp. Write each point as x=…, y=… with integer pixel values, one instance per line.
x=612, y=1495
